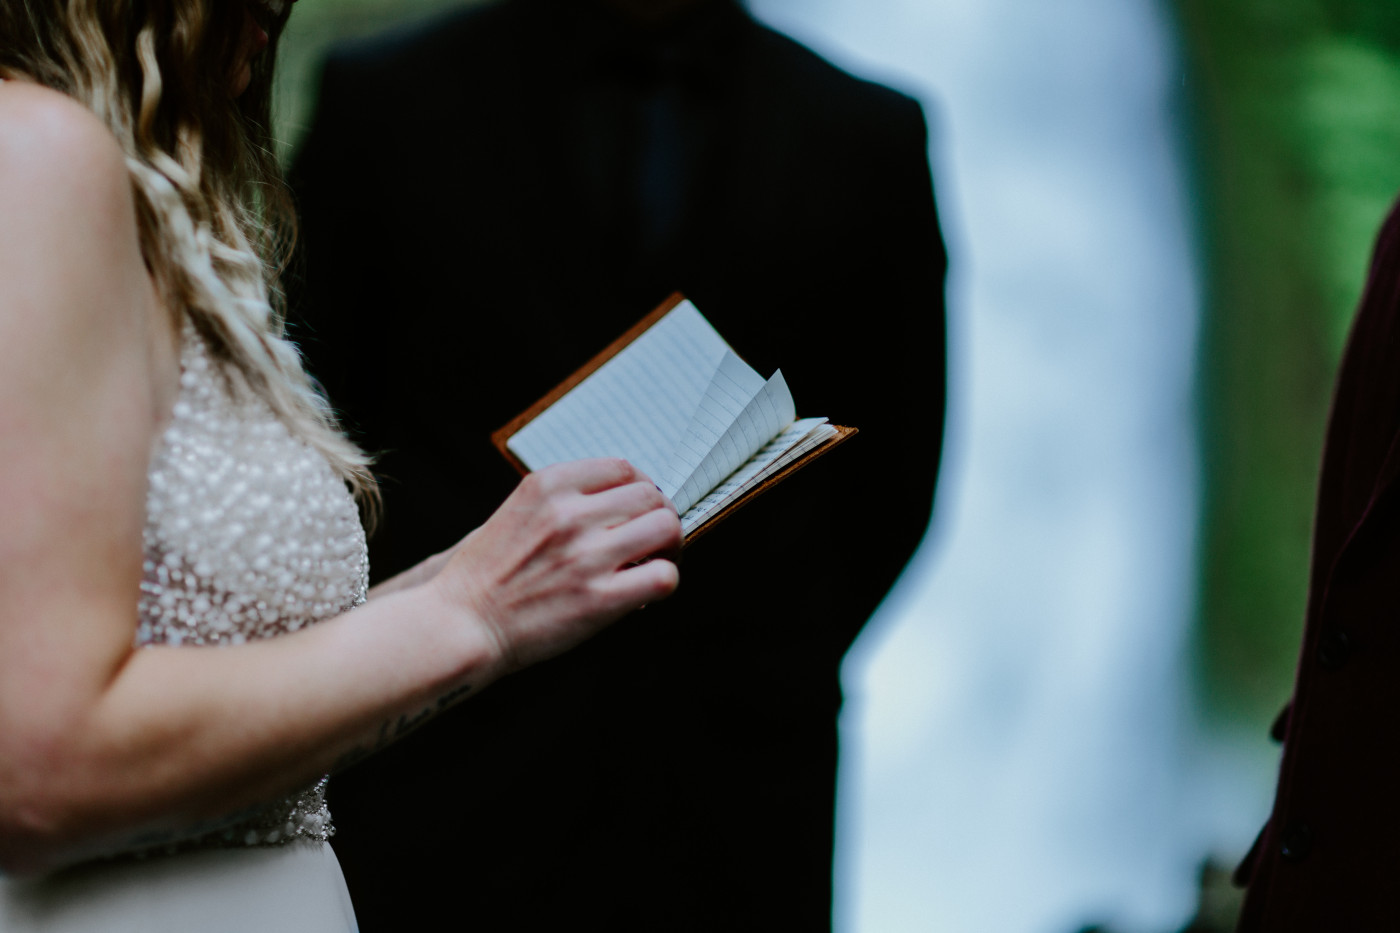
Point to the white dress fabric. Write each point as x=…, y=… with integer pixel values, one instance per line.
x=249, y=534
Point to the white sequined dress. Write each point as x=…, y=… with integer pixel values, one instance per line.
x=249, y=534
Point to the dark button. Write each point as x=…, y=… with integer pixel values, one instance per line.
x=1297, y=842
x=1334, y=649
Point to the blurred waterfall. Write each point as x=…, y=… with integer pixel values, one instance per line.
x=1020, y=751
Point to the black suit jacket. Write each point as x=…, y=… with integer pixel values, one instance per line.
x=1328, y=858
x=461, y=255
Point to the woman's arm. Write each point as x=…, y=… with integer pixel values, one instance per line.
x=103, y=746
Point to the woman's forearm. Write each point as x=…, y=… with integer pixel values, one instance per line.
x=183, y=737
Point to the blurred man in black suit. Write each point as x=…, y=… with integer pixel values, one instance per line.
x=488, y=201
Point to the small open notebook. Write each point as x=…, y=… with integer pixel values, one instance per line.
x=673, y=398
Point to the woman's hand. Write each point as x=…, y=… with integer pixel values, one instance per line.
x=565, y=555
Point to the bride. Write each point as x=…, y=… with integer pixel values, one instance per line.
x=186, y=645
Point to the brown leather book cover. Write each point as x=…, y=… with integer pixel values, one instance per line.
x=502, y=435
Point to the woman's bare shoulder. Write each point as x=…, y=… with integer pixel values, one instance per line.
x=49, y=139
x=70, y=230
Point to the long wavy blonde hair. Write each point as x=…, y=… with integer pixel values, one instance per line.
x=216, y=221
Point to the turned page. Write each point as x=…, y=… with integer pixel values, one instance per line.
x=795, y=441
x=638, y=405
x=738, y=415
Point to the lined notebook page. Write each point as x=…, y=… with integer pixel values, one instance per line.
x=734, y=385
x=762, y=417
x=797, y=439
x=637, y=405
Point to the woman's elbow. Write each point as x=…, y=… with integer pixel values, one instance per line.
x=36, y=813
x=30, y=837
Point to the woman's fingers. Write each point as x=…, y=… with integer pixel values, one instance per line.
x=586, y=476
x=645, y=583
x=655, y=532
x=606, y=493
x=568, y=553
x=613, y=507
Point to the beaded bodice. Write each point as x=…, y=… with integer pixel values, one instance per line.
x=249, y=534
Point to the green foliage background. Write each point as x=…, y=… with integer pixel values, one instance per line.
x=1297, y=137
x=1296, y=134
x=313, y=28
